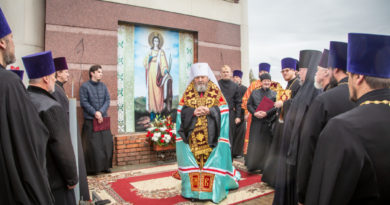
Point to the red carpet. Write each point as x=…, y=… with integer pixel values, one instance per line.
x=156, y=185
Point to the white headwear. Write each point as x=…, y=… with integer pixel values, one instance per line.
x=202, y=69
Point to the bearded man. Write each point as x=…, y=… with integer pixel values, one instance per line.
x=202, y=143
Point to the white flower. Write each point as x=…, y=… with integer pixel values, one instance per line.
x=157, y=134
x=173, y=131
x=155, y=138
x=167, y=137
x=163, y=128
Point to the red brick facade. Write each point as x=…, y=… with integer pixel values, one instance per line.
x=135, y=149
x=85, y=32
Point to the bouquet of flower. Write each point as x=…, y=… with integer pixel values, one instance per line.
x=162, y=131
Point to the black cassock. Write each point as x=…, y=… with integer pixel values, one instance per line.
x=324, y=107
x=285, y=186
x=23, y=139
x=271, y=164
x=260, y=135
x=97, y=146
x=351, y=162
x=61, y=162
x=240, y=128
x=188, y=121
x=60, y=95
x=230, y=92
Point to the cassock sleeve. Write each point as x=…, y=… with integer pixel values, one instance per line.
x=339, y=166
x=237, y=103
x=312, y=126
x=188, y=120
x=84, y=100
x=294, y=89
x=60, y=95
x=271, y=112
x=60, y=145
x=286, y=105
x=251, y=105
x=213, y=126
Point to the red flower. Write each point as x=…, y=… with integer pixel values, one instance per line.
x=149, y=134
x=170, y=134
x=162, y=136
x=162, y=140
x=156, y=130
x=14, y=68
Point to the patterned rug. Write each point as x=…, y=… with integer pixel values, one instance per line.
x=156, y=185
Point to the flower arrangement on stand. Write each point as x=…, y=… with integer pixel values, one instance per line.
x=162, y=133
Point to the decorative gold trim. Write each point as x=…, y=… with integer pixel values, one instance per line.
x=343, y=83
x=292, y=84
x=207, y=181
x=283, y=95
x=198, y=141
x=377, y=102
x=195, y=181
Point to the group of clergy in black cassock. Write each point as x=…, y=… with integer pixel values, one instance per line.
x=37, y=161
x=326, y=142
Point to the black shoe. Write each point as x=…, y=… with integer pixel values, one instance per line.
x=107, y=171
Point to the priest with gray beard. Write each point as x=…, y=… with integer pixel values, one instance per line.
x=231, y=93
x=202, y=144
x=322, y=79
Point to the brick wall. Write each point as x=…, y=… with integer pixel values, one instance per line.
x=85, y=32
x=135, y=148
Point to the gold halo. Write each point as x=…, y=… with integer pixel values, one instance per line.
x=159, y=36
